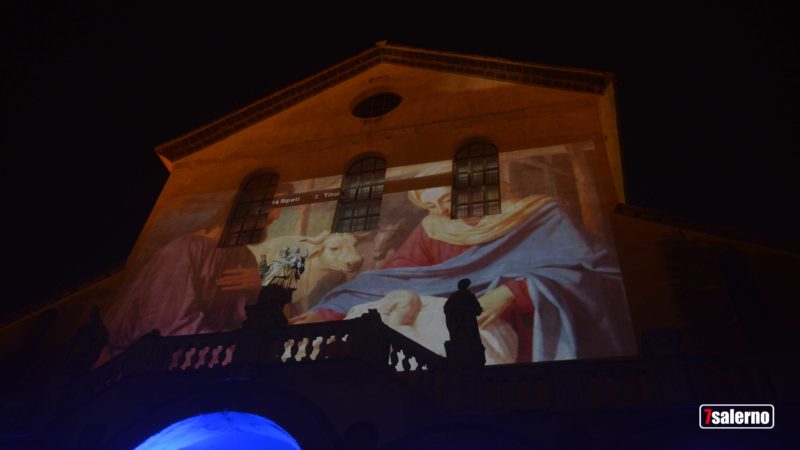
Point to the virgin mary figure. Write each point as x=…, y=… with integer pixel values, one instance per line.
x=531, y=265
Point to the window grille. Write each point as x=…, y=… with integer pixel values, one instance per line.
x=476, y=181
x=360, y=198
x=248, y=219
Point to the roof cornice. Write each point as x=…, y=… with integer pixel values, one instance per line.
x=571, y=79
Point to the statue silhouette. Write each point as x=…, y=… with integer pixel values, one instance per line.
x=461, y=311
x=279, y=281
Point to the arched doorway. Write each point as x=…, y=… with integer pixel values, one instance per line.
x=221, y=430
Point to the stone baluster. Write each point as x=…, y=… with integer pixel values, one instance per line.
x=393, y=356
x=346, y=345
x=324, y=347
x=302, y=349
x=177, y=358
x=195, y=359
x=337, y=346
x=413, y=363
x=230, y=350
x=292, y=348
x=178, y=352
x=406, y=361
x=180, y=356
x=337, y=350
x=297, y=355
x=205, y=355
x=315, y=347
x=188, y=355
x=214, y=359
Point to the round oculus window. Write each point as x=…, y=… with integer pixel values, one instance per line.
x=376, y=105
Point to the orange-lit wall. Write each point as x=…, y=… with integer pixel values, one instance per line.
x=440, y=112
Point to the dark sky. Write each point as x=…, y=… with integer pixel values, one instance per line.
x=708, y=101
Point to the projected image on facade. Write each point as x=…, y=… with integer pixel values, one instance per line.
x=539, y=257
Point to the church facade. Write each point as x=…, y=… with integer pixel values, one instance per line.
x=293, y=272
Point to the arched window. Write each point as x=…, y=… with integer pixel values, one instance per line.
x=360, y=199
x=248, y=220
x=476, y=181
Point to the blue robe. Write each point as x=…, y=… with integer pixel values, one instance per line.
x=573, y=280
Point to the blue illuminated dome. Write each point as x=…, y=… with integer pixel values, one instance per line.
x=221, y=430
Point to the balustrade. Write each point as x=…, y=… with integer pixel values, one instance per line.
x=407, y=355
x=597, y=385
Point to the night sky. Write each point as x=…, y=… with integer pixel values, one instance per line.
x=708, y=99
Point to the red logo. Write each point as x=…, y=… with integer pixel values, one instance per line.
x=737, y=416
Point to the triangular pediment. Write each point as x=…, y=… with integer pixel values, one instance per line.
x=463, y=67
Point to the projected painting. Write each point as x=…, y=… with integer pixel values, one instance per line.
x=543, y=266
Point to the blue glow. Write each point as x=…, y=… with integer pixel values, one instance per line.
x=221, y=430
